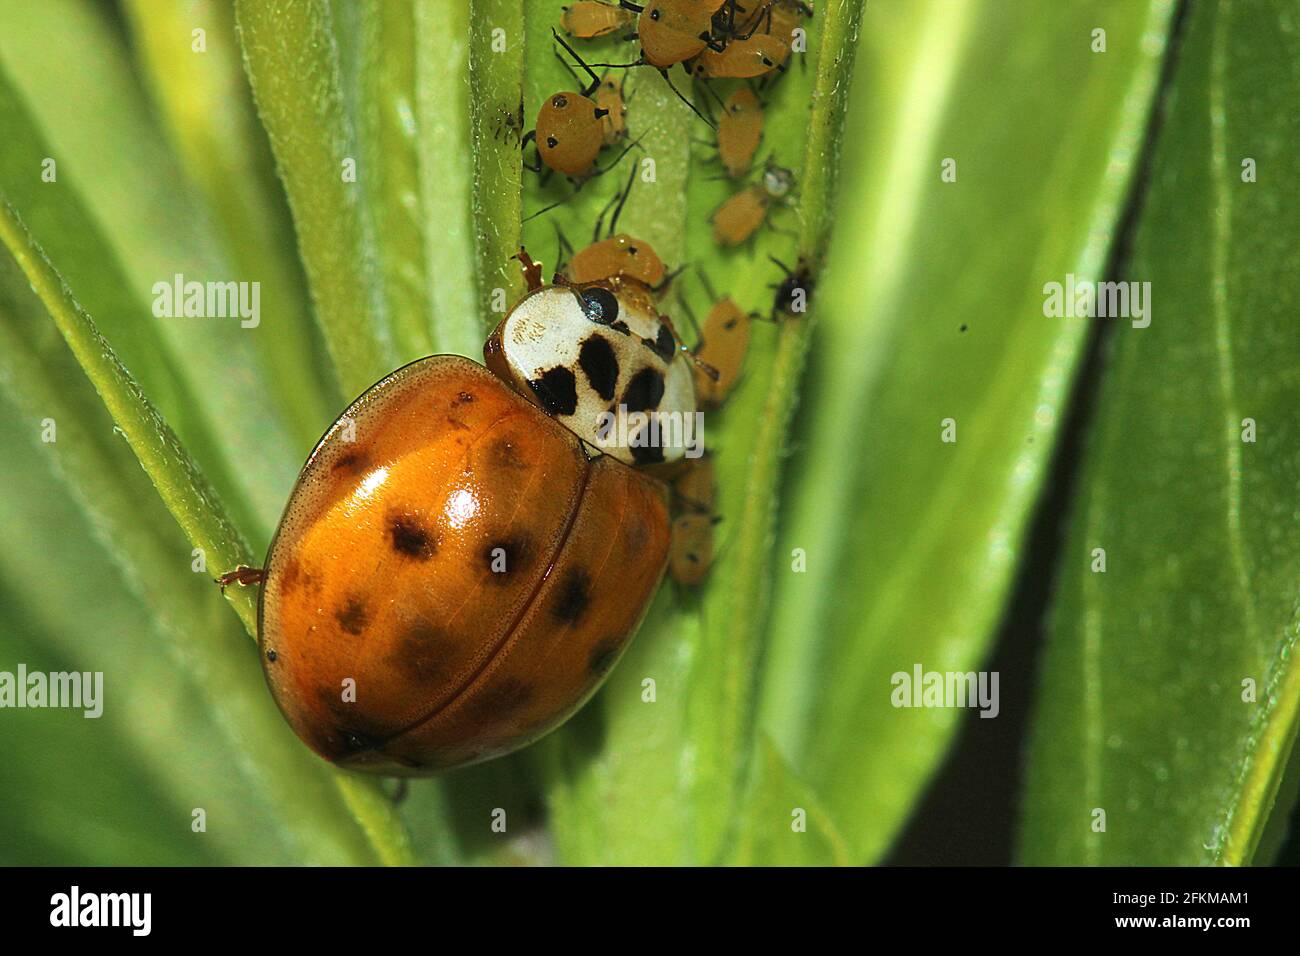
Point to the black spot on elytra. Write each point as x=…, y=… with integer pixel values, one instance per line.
x=271, y=656
x=505, y=557
x=644, y=391
x=557, y=390
x=411, y=538
x=352, y=616
x=600, y=365
x=504, y=453
x=573, y=596
x=351, y=462
x=502, y=696
x=420, y=653
x=664, y=345
x=354, y=742
x=464, y=398
x=603, y=656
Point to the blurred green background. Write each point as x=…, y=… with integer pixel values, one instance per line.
x=988, y=148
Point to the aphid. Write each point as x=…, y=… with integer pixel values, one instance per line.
x=788, y=16
x=609, y=97
x=457, y=570
x=570, y=130
x=691, y=552
x=673, y=31
x=740, y=216
x=723, y=345
x=587, y=19
x=739, y=131
x=742, y=59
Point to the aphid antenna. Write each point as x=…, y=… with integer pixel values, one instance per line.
x=708, y=286
x=716, y=98
x=559, y=202
x=595, y=80
x=667, y=280
x=563, y=250
x=694, y=109
x=622, y=201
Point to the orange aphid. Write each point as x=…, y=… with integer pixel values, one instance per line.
x=619, y=256
x=570, y=133
x=609, y=97
x=742, y=59
x=673, y=31
x=587, y=19
x=724, y=343
x=740, y=216
x=690, y=554
x=739, y=131
x=788, y=16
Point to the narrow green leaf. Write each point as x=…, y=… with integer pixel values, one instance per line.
x=899, y=547
x=293, y=62
x=111, y=193
x=1170, y=686
x=496, y=77
x=195, y=72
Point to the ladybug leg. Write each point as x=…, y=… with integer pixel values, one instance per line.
x=242, y=575
x=532, y=270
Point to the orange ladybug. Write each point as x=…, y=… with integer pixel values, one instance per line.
x=458, y=567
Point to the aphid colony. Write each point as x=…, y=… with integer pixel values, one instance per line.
x=470, y=548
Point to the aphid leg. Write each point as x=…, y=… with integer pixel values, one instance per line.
x=242, y=575
x=600, y=171
x=694, y=109
x=628, y=5
x=536, y=165
x=532, y=270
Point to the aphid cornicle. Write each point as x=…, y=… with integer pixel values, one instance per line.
x=457, y=567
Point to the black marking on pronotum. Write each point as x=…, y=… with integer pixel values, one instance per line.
x=410, y=538
x=600, y=305
x=645, y=391
x=352, y=616
x=557, y=390
x=599, y=363
x=664, y=345
x=647, y=454
x=573, y=597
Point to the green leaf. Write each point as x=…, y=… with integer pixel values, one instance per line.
x=193, y=64
x=678, y=767
x=293, y=62
x=932, y=310
x=155, y=627
x=1143, y=710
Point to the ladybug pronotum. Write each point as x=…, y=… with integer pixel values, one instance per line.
x=457, y=569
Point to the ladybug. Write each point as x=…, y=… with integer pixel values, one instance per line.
x=459, y=566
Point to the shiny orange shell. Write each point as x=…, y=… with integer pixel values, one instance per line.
x=570, y=133
x=455, y=580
